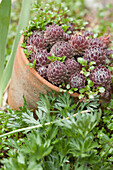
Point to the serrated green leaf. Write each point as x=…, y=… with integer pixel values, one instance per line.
x=90, y=83
x=101, y=89
x=30, y=65
x=71, y=91
x=111, y=55
x=105, y=139
x=86, y=74
x=75, y=89
x=110, y=68
x=91, y=96
x=63, y=58
x=80, y=96
x=81, y=90
x=110, y=159
x=91, y=63
x=67, y=86
x=82, y=61
x=91, y=68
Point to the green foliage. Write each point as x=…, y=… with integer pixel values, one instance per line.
x=88, y=91
x=105, y=22
x=32, y=65
x=51, y=12
x=76, y=7
x=4, y=26
x=15, y=11
x=53, y=58
x=63, y=141
x=5, y=73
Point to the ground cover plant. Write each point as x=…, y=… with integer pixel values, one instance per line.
x=63, y=135
x=66, y=55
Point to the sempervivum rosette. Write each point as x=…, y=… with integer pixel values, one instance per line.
x=100, y=76
x=95, y=42
x=72, y=71
x=56, y=72
x=87, y=33
x=41, y=57
x=61, y=49
x=106, y=40
x=72, y=66
x=53, y=33
x=42, y=71
x=77, y=80
x=36, y=41
x=66, y=37
x=108, y=53
x=95, y=54
x=79, y=44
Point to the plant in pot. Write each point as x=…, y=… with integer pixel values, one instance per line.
x=55, y=54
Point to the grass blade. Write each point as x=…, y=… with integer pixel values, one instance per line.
x=24, y=17
x=4, y=26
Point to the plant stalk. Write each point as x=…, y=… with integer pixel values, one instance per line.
x=40, y=125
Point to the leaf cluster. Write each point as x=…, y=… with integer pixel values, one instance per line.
x=63, y=141
x=53, y=58
x=105, y=22
x=89, y=91
x=52, y=13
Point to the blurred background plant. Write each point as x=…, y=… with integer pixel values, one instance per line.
x=5, y=13
x=16, y=8
x=104, y=23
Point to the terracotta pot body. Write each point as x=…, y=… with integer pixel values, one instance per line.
x=26, y=81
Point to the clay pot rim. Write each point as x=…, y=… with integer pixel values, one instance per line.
x=26, y=61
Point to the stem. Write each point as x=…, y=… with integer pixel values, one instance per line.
x=37, y=126
x=26, y=128
x=106, y=151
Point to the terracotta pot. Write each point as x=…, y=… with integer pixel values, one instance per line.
x=26, y=81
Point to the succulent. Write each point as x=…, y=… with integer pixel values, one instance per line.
x=41, y=57
x=56, y=72
x=66, y=37
x=106, y=40
x=77, y=80
x=95, y=54
x=36, y=41
x=100, y=76
x=42, y=71
x=61, y=49
x=95, y=42
x=53, y=33
x=108, y=53
x=72, y=66
x=87, y=33
x=71, y=28
x=79, y=44
x=56, y=43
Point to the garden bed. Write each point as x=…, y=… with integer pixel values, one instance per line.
x=61, y=133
